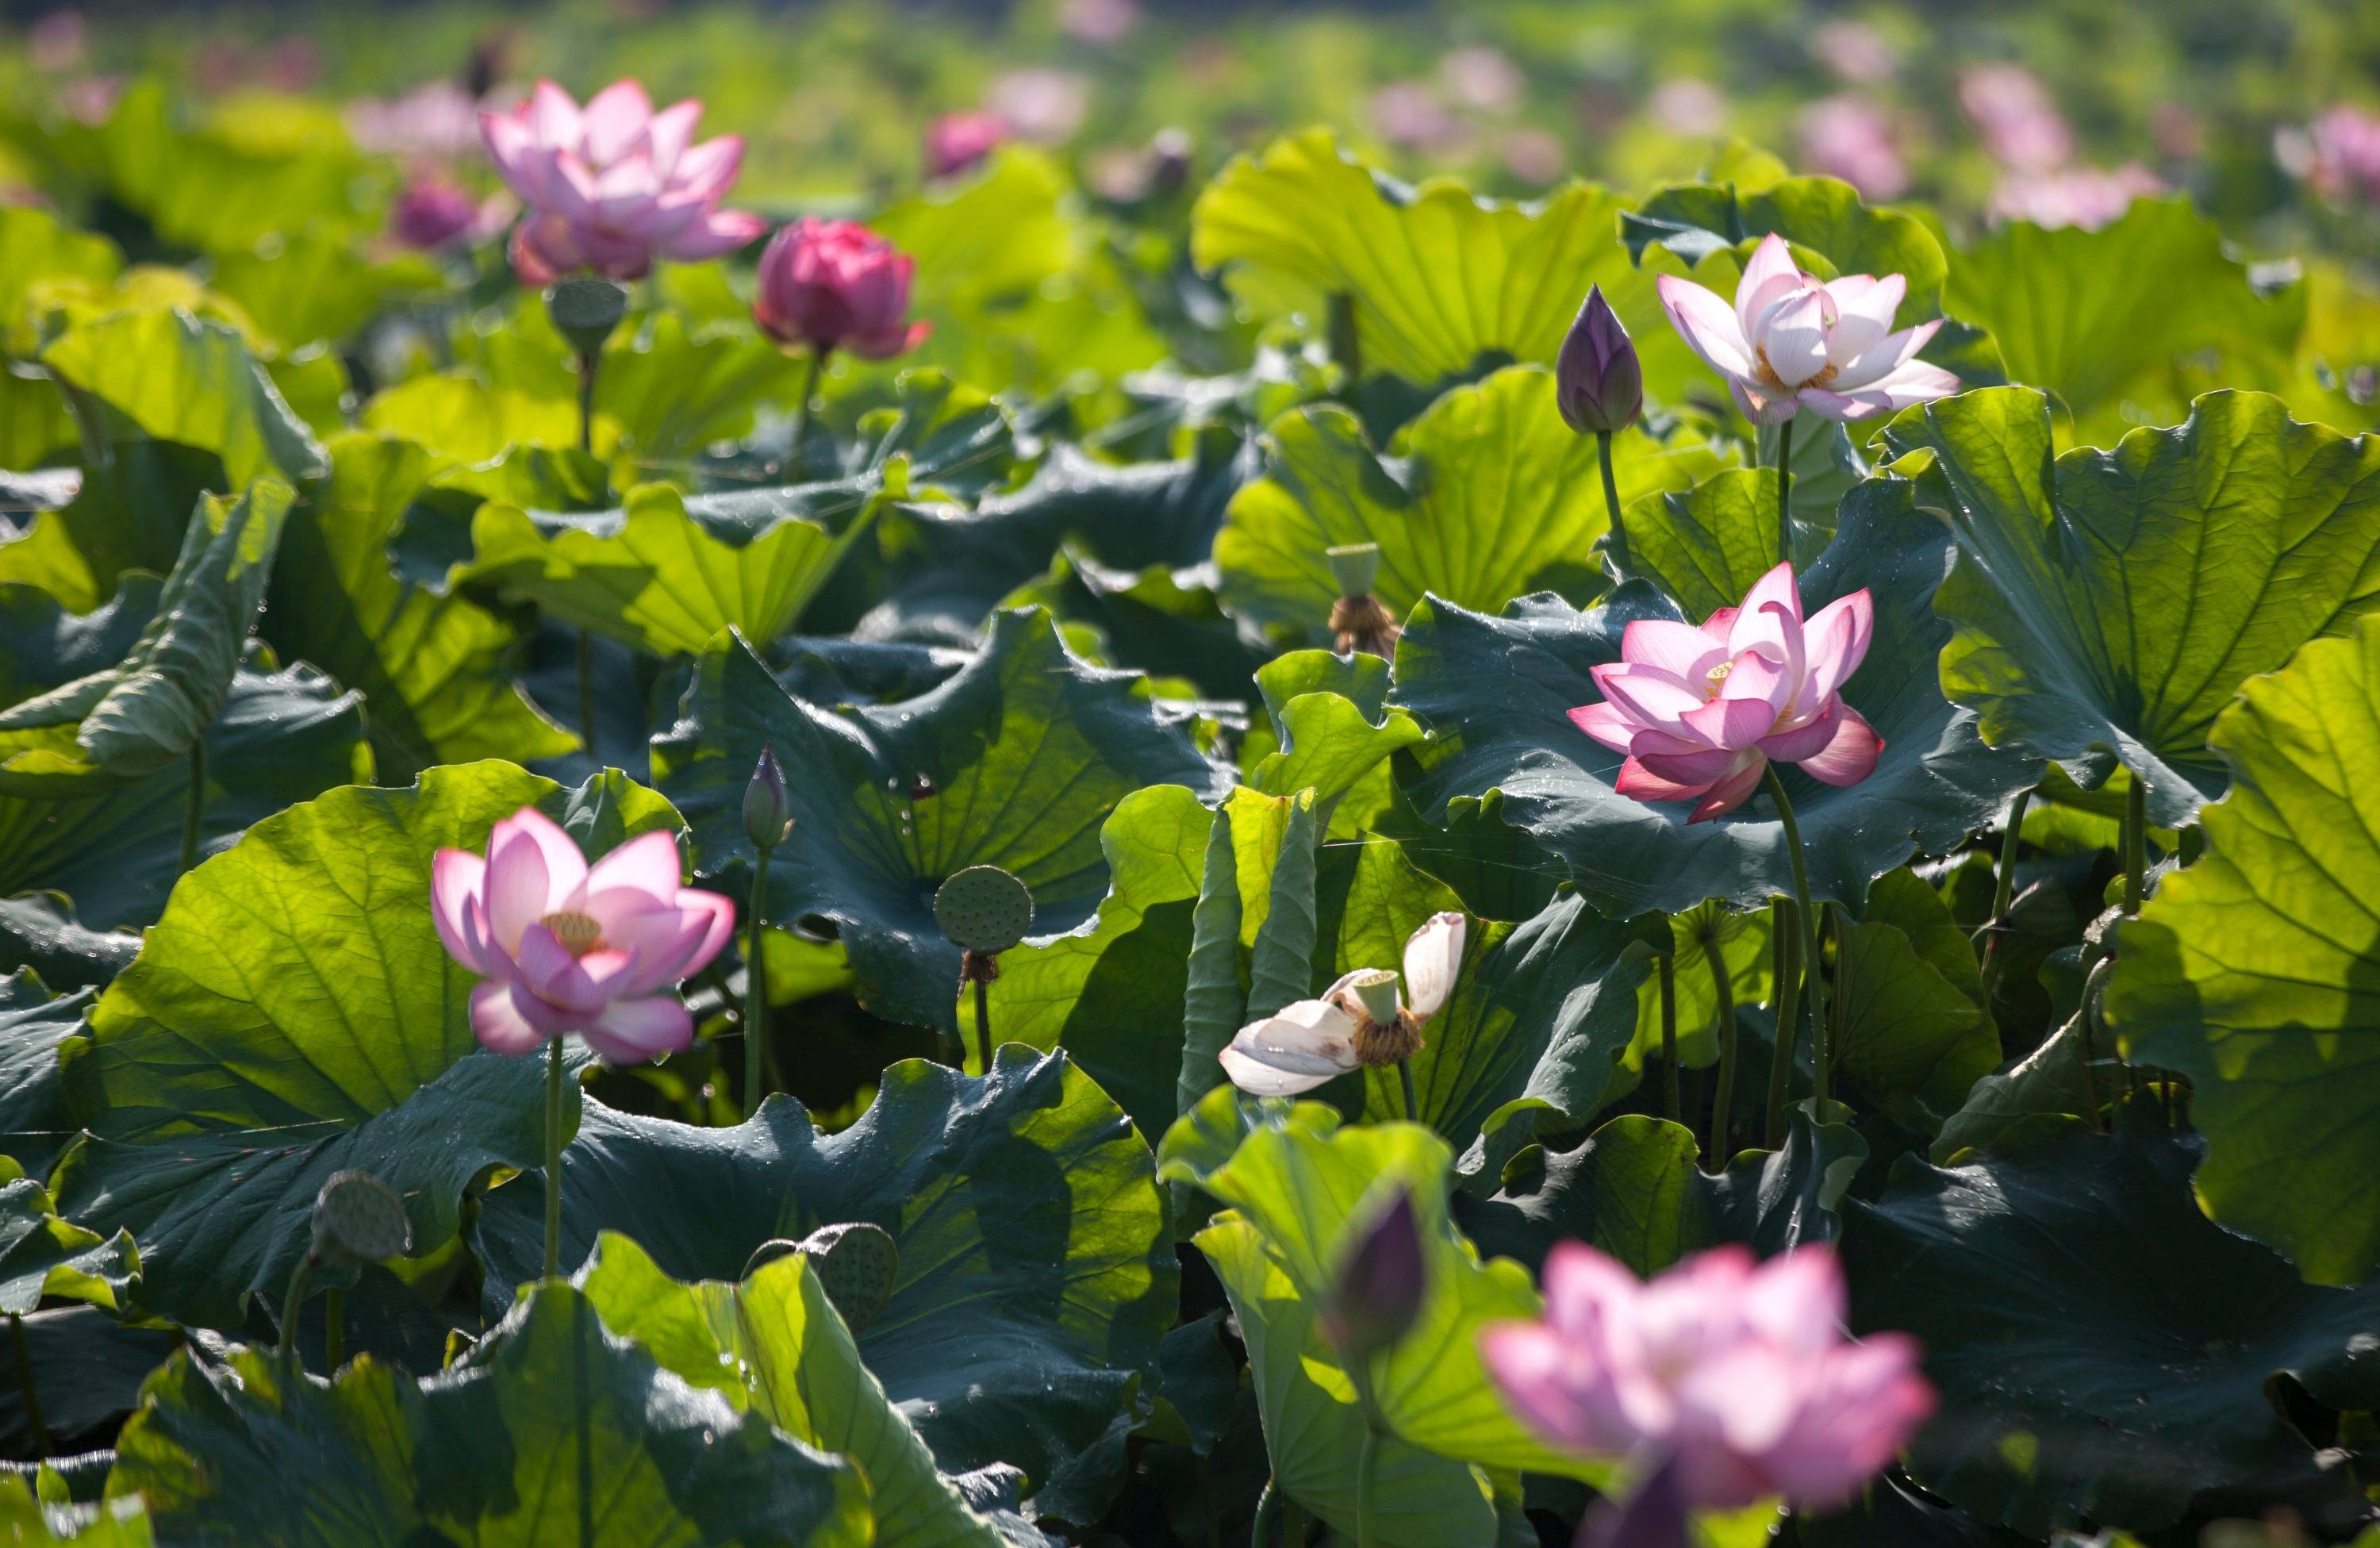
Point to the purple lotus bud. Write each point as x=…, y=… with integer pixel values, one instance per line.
x=1382, y=1282
x=1597, y=379
x=767, y=814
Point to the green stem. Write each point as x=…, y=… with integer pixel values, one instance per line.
x=755, y=989
x=2003, y=895
x=802, y=410
x=1404, y=1077
x=1723, y=1102
x=1785, y=491
x=586, y=695
x=194, y=807
x=1367, y=1459
x=292, y=1301
x=1673, y=1099
x=1615, y=547
x=26, y=1384
x=335, y=1330
x=1784, y=936
x=1293, y=1529
x=2136, y=845
x=587, y=365
x=554, y=1077
x=1814, y=979
x=1346, y=345
x=983, y=1024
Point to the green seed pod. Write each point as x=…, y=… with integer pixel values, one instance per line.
x=856, y=1265
x=357, y=1220
x=983, y=908
x=1355, y=567
x=586, y=311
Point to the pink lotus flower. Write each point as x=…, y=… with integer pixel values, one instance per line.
x=1844, y=136
x=2014, y=113
x=616, y=186
x=432, y=213
x=835, y=285
x=2083, y=196
x=957, y=142
x=563, y=948
x=1793, y=341
x=1360, y=1021
x=2338, y=155
x=1700, y=712
x=1734, y=1371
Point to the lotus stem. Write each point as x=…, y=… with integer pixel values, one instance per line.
x=1615, y=547
x=1813, y=977
x=755, y=989
x=1367, y=1458
x=554, y=1077
x=1785, y=492
x=1723, y=1100
x=335, y=1330
x=802, y=410
x=28, y=1386
x=292, y=1301
x=194, y=807
x=1674, y=1105
x=1404, y=1078
x=2136, y=845
x=1784, y=960
x=2003, y=896
x=588, y=362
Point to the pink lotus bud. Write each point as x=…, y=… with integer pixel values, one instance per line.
x=1381, y=1284
x=835, y=285
x=1598, y=382
x=431, y=213
x=959, y=142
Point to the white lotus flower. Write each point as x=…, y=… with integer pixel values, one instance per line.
x=1359, y=1020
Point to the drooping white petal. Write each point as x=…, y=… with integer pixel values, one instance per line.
x=1305, y=1045
x=1433, y=954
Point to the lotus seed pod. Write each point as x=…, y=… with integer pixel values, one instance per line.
x=983, y=908
x=1376, y=992
x=358, y=1219
x=1355, y=567
x=856, y=1265
x=586, y=311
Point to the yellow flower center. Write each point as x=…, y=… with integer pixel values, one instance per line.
x=1716, y=676
x=1767, y=373
x=579, y=934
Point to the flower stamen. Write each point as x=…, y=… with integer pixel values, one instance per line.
x=579, y=934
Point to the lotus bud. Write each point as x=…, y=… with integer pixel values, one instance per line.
x=1381, y=1284
x=1598, y=382
x=357, y=1220
x=585, y=312
x=767, y=814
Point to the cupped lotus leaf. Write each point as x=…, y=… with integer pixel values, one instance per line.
x=2255, y=970
x=1308, y=1187
x=1438, y=276
x=1494, y=692
x=190, y=380
x=2072, y=317
x=2117, y=600
x=1014, y=761
x=133, y=717
x=1037, y=1270
x=553, y=1430
x=42, y=1256
x=774, y=1346
x=293, y=1015
x=2101, y=1349
x=34, y=1023
x=1486, y=496
x=431, y=668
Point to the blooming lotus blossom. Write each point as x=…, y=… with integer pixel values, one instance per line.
x=1360, y=1021
x=1700, y=711
x=2083, y=197
x=835, y=285
x=565, y=947
x=1732, y=1372
x=957, y=142
x=615, y=185
x=1793, y=341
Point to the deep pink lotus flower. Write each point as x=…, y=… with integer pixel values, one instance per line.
x=1793, y=341
x=1733, y=1372
x=616, y=186
x=959, y=142
x=1701, y=711
x=563, y=947
x=835, y=285
x=433, y=213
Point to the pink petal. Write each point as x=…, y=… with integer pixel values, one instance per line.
x=615, y=120
x=552, y=117
x=565, y=867
x=1732, y=724
x=1646, y=694
x=1837, y=638
x=721, y=912
x=1757, y=676
x=671, y=131
x=1806, y=740
x=1535, y=1369
x=720, y=231
x=1681, y=650
x=1731, y=792
x=1917, y=381
x=1792, y=337
x=1769, y=276
x=518, y=886
x=705, y=172
x=550, y=973
x=1864, y=307
x=1797, y=1298
x=1606, y=724
x=1850, y=756
x=1761, y=409
x=1433, y=953
x=498, y=1023
x=630, y=1032
x=1641, y=782
x=648, y=863
x=1707, y=325
x=1886, y=354
x=455, y=878
x=884, y=346
x=513, y=146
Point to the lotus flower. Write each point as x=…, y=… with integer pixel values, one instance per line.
x=1701, y=711
x=1793, y=341
x=835, y=285
x=1732, y=1372
x=2338, y=155
x=563, y=947
x=433, y=213
x=2084, y=197
x=957, y=142
x=1359, y=1020
x=2014, y=113
x=1844, y=136
x=616, y=186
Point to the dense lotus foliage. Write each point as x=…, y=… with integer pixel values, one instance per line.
x=1105, y=777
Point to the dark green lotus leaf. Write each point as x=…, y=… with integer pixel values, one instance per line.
x=293, y=1014
x=191, y=382
x=34, y=1023
x=1703, y=547
x=1494, y=692
x=1488, y=495
x=1893, y=1513
x=42, y=1256
x=1636, y=1188
x=553, y=1429
x=132, y=512
x=1909, y=1040
x=2113, y=602
x=2052, y=1079
x=2102, y=1350
x=1037, y=1270
x=1015, y=761
x=2253, y=972
x=88, y=1368
x=1164, y=621
x=38, y=930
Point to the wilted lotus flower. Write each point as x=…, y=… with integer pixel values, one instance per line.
x=957, y=142
x=1735, y=1372
x=563, y=948
x=616, y=186
x=1358, y=1021
x=1700, y=712
x=835, y=285
x=2083, y=197
x=1793, y=341
x=1599, y=385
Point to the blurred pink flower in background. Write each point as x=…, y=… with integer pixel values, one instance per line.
x=2177, y=132
x=433, y=213
x=1534, y=156
x=436, y=118
x=1484, y=79
x=831, y=284
x=1845, y=136
x=1408, y=114
x=1687, y=106
x=2086, y=197
x=1735, y=1372
x=1701, y=710
x=293, y=65
x=91, y=98
x=58, y=41
x=1855, y=52
x=2338, y=155
x=615, y=185
x=2020, y=125
x=1098, y=21
x=1040, y=103
x=959, y=142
